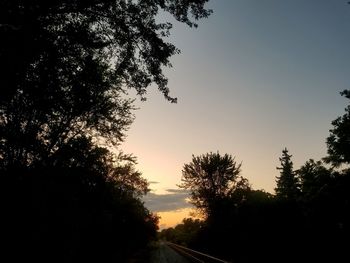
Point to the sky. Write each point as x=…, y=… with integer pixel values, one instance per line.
x=253, y=78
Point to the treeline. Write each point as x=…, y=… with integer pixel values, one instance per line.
x=71, y=214
x=306, y=220
x=67, y=194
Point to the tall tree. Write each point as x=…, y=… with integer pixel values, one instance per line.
x=314, y=178
x=66, y=68
x=338, y=142
x=210, y=178
x=287, y=182
x=87, y=207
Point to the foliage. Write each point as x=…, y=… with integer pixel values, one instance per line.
x=287, y=183
x=183, y=234
x=314, y=178
x=306, y=220
x=211, y=178
x=66, y=67
x=122, y=35
x=338, y=142
x=87, y=207
x=325, y=195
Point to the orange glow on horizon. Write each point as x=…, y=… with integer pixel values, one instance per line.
x=172, y=218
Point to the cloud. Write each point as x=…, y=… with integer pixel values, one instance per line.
x=178, y=191
x=175, y=200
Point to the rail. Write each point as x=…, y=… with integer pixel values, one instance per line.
x=194, y=255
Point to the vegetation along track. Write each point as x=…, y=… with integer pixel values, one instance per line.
x=195, y=256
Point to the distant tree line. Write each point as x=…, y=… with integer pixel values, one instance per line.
x=66, y=192
x=306, y=220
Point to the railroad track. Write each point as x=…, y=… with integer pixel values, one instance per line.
x=195, y=256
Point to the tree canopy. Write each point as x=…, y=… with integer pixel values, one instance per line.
x=67, y=66
x=307, y=219
x=338, y=142
x=211, y=177
x=287, y=183
x=66, y=69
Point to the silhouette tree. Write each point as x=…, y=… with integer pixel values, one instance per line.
x=86, y=207
x=123, y=33
x=211, y=178
x=306, y=220
x=287, y=183
x=338, y=142
x=185, y=234
x=333, y=202
x=66, y=67
x=314, y=178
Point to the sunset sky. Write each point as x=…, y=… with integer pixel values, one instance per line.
x=255, y=77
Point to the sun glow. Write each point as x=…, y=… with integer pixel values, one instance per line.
x=172, y=218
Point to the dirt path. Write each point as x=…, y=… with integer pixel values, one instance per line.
x=164, y=254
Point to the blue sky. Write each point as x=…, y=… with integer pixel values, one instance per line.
x=255, y=77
